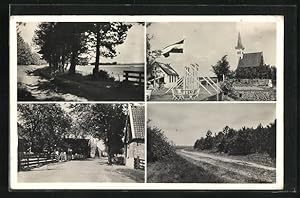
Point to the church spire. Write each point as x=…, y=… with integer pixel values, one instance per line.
x=239, y=45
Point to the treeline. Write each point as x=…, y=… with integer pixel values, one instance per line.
x=25, y=56
x=66, y=43
x=241, y=142
x=261, y=72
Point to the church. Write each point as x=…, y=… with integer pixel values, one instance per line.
x=252, y=65
x=246, y=60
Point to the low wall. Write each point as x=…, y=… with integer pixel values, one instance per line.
x=256, y=95
x=254, y=82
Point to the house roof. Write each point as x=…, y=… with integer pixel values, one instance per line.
x=137, y=121
x=166, y=68
x=251, y=60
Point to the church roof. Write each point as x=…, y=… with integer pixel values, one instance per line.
x=166, y=68
x=239, y=43
x=137, y=120
x=251, y=60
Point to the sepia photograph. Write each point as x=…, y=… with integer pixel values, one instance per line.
x=211, y=143
x=80, y=61
x=211, y=61
x=71, y=142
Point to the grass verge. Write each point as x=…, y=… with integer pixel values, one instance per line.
x=175, y=169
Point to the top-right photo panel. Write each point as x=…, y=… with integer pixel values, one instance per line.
x=211, y=61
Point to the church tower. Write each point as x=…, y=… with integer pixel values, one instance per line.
x=239, y=47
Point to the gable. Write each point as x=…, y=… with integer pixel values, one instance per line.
x=166, y=68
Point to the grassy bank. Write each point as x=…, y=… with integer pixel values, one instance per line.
x=93, y=89
x=175, y=169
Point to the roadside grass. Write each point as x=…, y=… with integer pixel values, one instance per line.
x=136, y=175
x=175, y=169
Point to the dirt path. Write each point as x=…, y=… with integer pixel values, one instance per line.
x=231, y=170
x=91, y=170
x=34, y=84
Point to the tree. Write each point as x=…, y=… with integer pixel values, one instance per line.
x=24, y=54
x=221, y=68
x=103, y=121
x=241, y=142
x=44, y=125
x=105, y=36
x=61, y=43
x=158, y=146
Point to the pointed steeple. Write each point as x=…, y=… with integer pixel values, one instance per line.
x=239, y=45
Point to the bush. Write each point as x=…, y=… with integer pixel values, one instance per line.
x=226, y=87
x=158, y=145
x=103, y=76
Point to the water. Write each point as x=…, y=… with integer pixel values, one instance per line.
x=115, y=71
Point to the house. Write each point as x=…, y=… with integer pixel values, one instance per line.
x=248, y=60
x=135, y=135
x=165, y=74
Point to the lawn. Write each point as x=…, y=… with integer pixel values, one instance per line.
x=175, y=169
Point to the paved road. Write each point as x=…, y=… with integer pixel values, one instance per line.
x=93, y=170
x=231, y=170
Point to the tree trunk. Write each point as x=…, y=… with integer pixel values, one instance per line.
x=73, y=63
x=97, y=62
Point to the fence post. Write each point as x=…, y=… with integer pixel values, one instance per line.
x=126, y=75
x=38, y=159
x=140, y=79
x=27, y=161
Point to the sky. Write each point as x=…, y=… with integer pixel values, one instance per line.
x=186, y=122
x=207, y=42
x=131, y=51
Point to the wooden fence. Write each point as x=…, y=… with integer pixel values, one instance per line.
x=139, y=163
x=134, y=77
x=28, y=161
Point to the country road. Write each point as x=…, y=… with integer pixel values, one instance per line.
x=90, y=170
x=231, y=170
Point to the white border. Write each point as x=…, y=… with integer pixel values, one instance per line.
x=279, y=20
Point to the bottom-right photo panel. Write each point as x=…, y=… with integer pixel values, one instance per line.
x=211, y=143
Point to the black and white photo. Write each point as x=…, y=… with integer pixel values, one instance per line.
x=211, y=61
x=80, y=61
x=211, y=143
x=66, y=142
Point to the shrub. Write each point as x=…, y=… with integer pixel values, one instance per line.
x=158, y=145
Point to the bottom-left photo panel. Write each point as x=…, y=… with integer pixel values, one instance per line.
x=80, y=142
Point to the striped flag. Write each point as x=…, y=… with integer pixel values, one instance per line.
x=174, y=48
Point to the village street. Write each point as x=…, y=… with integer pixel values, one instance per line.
x=231, y=170
x=90, y=170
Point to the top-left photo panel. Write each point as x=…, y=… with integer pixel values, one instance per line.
x=78, y=61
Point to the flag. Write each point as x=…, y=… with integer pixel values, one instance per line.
x=174, y=48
